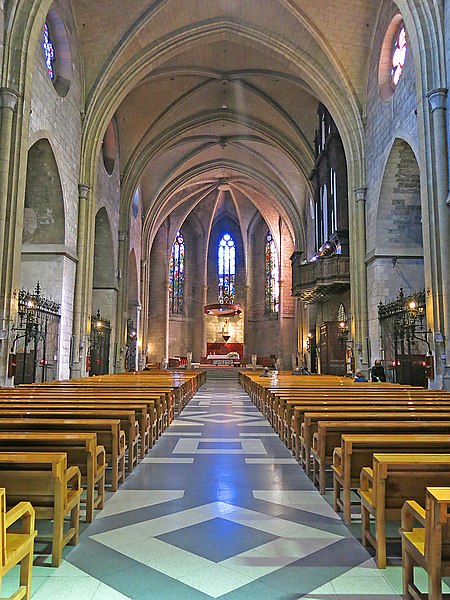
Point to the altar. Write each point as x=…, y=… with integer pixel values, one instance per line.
x=222, y=360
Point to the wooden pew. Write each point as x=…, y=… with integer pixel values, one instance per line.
x=112, y=438
x=311, y=420
x=394, y=479
x=53, y=489
x=329, y=433
x=289, y=428
x=427, y=546
x=143, y=411
x=356, y=451
x=86, y=419
x=81, y=449
x=16, y=547
x=127, y=418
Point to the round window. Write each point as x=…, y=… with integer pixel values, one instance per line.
x=56, y=52
x=392, y=57
x=135, y=204
x=398, y=55
x=109, y=148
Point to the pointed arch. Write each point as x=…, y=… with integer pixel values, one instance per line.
x=44, y=206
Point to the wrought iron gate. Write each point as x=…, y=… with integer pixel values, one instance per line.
x=131, y=348
x=100, y=339
x=403, y=338
x=36, y=338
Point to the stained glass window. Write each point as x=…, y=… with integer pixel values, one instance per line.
x=49, y=52
x=227, y=269
x=176, y=276
x=272, y=304
x=398, y=55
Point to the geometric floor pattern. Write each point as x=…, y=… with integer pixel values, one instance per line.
x=217, y=509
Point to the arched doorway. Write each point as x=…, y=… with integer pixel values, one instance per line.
x=46, y=275
x=399, y=266
x=104, y=296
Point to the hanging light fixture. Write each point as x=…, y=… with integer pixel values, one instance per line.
x=222, y=310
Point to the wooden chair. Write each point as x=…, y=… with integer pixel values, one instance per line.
x=17, y=547
x=394, y=479
x=356, y=452
x=53, y=489
x=427, y=546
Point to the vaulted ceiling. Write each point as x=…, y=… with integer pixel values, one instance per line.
x=224, y=92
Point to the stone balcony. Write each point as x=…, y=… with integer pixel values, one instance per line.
x=318, y=280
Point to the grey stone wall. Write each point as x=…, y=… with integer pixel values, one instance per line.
x=393, y=203
x=104, y=295
x=2, y=17
x=58, y=119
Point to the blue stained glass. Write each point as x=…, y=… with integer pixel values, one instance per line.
x=226, y=256
x=176, y=276
x=49, y=52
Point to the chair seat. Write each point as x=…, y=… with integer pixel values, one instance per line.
x=367, y=497
x=416, y=538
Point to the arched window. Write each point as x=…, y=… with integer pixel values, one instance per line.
x=176, y=276
x=398, y=55
x=226, y=269
x=272, y=304
x=49, y=52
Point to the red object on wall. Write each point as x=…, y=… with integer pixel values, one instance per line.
x=221, y=348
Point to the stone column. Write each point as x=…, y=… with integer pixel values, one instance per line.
x=166, y=319
x=359, y=282
x=440, y=237
x=8, y=106
x=78, y=368
x=205, y=322
x=122, y=303
x=145, y=294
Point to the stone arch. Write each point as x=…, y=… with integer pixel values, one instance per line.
x=399, y=215
x=284, y=202
x=44, y=204
x=44, y=256
x=104, y=262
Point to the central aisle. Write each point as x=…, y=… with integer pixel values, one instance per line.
x=220, y=509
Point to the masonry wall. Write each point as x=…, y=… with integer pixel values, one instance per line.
x=58, y=119
x=182, y=327
x=2, y=16
x=133, y=307
x=105, y=293
x=262, y=335
x=387, y=121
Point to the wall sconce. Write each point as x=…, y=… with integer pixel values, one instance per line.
x=308, y=342
x=343, y=334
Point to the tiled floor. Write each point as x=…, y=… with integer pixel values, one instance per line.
x=218, y=509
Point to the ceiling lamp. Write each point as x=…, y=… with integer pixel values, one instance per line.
x=222, y=310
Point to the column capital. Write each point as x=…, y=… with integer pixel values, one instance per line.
x=83, y=190
x=437, y=99
x=361, y=194
x=123, y=236
x=8, y=98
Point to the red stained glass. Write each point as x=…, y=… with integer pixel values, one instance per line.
x=226, y=259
